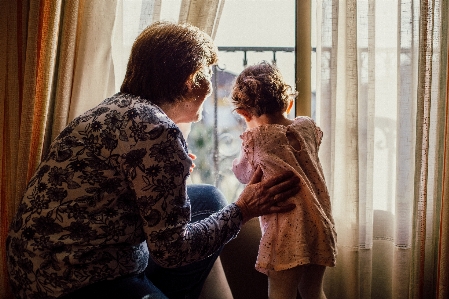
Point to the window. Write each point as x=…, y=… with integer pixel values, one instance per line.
x=249, y=32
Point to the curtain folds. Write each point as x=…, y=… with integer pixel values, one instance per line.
x=36, y=75
x=442, y=169
x=382, y=103
x=65, y=69
x=30, y=32
x=204, y=14
x=94, y=74
x=422, y=153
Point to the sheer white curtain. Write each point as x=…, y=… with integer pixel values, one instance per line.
x=379, y=89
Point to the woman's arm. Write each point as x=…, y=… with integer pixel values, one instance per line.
x=157, y=170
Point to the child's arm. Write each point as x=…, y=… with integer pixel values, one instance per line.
x=318, y=134
x=242, y=166
x=242, y=170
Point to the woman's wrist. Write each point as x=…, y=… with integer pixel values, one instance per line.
x=244, y=211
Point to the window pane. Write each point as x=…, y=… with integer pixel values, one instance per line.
x=269, y=26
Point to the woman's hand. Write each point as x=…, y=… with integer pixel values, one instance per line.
x=193, y=157
x=261, y=198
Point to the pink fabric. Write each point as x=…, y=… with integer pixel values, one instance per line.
x=307, y=234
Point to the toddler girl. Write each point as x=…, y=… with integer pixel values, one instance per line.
x=295, y=247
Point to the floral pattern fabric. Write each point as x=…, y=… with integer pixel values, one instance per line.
x=305, y=235
x=111, y=189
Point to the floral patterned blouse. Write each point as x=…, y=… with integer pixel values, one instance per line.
x=111, y=189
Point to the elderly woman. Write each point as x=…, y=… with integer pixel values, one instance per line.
x=108, y=213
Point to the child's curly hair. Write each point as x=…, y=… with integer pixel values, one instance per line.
x=261, y=89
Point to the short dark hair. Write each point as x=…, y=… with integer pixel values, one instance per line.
x=163, y=57
x=260, y=89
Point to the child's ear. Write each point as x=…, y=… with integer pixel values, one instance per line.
x=289, y=107
x=245, y=114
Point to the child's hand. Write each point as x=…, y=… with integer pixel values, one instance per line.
x=193, y=157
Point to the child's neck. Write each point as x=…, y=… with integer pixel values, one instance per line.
x=269, y=119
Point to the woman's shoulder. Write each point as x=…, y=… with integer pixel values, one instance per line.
x=139, y=109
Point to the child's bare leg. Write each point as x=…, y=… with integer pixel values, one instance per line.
x=284, y=284
x=311, y=284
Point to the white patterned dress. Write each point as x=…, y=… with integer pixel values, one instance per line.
x=307, y=234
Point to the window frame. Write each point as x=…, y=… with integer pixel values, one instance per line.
x=303, y=57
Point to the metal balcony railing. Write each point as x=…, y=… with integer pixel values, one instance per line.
x=274, y=50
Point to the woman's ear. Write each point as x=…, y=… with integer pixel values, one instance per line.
x=190, y=83
x=245, y=114
x=289, y=107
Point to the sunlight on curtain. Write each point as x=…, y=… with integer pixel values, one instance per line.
x=37, y=40
x=442, y=166
x=370, y=104
x=442, y=277
x=66, y=63
x=93, y=79
x=27, y=78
